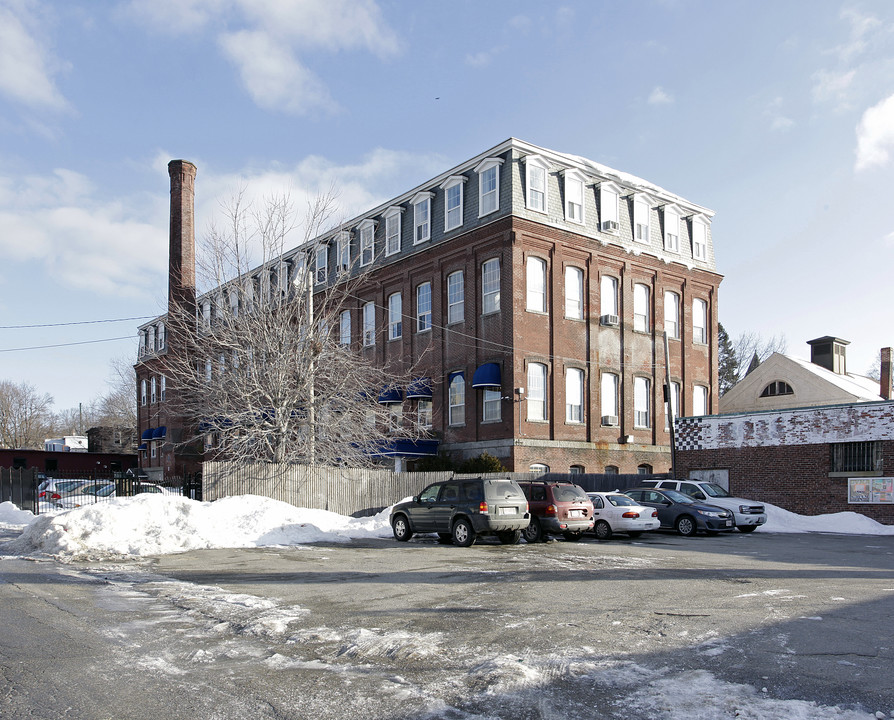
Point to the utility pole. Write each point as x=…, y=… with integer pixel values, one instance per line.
x=670, y=405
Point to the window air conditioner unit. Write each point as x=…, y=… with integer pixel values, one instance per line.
x=610, y=420
x=609, y=320
x=610, y=226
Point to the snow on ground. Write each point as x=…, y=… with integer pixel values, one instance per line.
x=162, y=524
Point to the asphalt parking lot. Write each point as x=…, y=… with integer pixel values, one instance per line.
x=376, y=629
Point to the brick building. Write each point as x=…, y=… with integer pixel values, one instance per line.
x=530, y=290
x=807, y=460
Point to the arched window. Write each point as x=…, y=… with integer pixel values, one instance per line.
x=539, y=468
x=576, y=470
x=611, y=469
x=777, y=387
x=644, y=469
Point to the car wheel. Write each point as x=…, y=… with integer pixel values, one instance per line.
x=445, y=538
x=603, y=530
x=463, y=534
x=747, y=528
x=401, y=528
x=634, y=533
x=573, y=536
x=509, y=537
x=533, y=533
x=686, y=525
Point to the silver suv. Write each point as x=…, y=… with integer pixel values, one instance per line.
x=461, y=510
x=748, y=514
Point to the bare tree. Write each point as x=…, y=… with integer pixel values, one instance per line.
x=751, y=349
x=264, y=375
x=116, y=408
x=25, y=416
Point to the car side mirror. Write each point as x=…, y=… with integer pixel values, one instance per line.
x=667, y=503
x=699, y=496
x=416, y=499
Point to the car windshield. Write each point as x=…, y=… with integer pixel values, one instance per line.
x=568, y=493
x=678, y=496
x=620, y=500
x=68, y=485
x=714, y=490
x=105, y=490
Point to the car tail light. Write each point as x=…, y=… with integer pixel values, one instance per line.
x=630, y=515
x=482, y=507
x=551, y=510
x=654, y=513
x=55, y=496
x=43, y=493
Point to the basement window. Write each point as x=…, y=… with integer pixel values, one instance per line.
x=856, y=457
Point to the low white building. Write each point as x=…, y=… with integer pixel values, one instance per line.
x=67, y=443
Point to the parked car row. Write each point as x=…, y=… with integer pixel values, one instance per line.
x=461, y=510
x=69, y=494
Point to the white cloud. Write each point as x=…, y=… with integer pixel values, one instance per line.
x=889, y=240
x=832, y=86
x=778, y=121
x=875, y=135
x=520, y=23
x=272, y=75
x=266, y=40
x=658, y=96
x=25, y=66
x=861, y=28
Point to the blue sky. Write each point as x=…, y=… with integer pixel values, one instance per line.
x=779, y=116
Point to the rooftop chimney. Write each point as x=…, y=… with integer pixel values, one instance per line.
x=182, y=249
x=885, y=379
x=829, y=352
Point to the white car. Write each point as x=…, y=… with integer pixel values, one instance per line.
x=99, y=491
x=616, y=512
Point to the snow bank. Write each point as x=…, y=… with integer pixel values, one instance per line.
x=11, y=515
x=843, y=523
x=162, y=524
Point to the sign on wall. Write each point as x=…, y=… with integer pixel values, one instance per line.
x=870, y=490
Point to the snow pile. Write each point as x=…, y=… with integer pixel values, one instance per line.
x=162, y=524
x=843, y=523
x=11, y=515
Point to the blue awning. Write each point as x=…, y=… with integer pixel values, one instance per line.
x=147, y=434
x=159, y=432
x=390, y=396
x=419, y=388
x=406, y=447
x=487, y=376
x=142, y=446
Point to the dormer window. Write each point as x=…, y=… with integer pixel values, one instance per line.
x=322, y=264
x=574, y=196
x=488, y=185
x=777, y=387
x=343, y=251
x=422, y=217
x=367, y=241
x=699, y=238
x=453, y=201
x=392, y=229
x=608, y=207
x=671, y=228
x=536, y=174
x=642, y=211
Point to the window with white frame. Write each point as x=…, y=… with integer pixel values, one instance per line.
x=395, y=316
x=209, y=365
x=672, y=315
x=343, y=251
x=392, y=230
x=367, y=242
x=150, y=339
x=395, y=416
x=164, y=387
x=700, y=321
x=699, y=239
x=641, y=312
x=574, y=293
x=424, y=413
x=642, y=402
x=153, y=391
x=456, y=294
x=538, y=468
x=423, y=307
x=574, y=196
x=161, y=336
x=234, y=302
x=453, y=201
x=536, y=174
x=142, y=392
x=699, y=400
x=674, y=404
x=608, y=296
x=671, y=229
x=456, y=399
x=488, y=185
x=344, y=327
x=369, y=324
x=322, y=263
x=642, y=212
x=206, y=314
x=536, y=285
x=536, y=391
x=490, y=286
x=422, y=217
x=492, y=404
x=576, y=470
x=609, y=195
x=574, y=395
x=609, y=398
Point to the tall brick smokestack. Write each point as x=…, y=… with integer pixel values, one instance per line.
x=885, y=380
x=182, y=249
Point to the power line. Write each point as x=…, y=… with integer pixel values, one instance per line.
x=79, y=322
x=83, y=342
